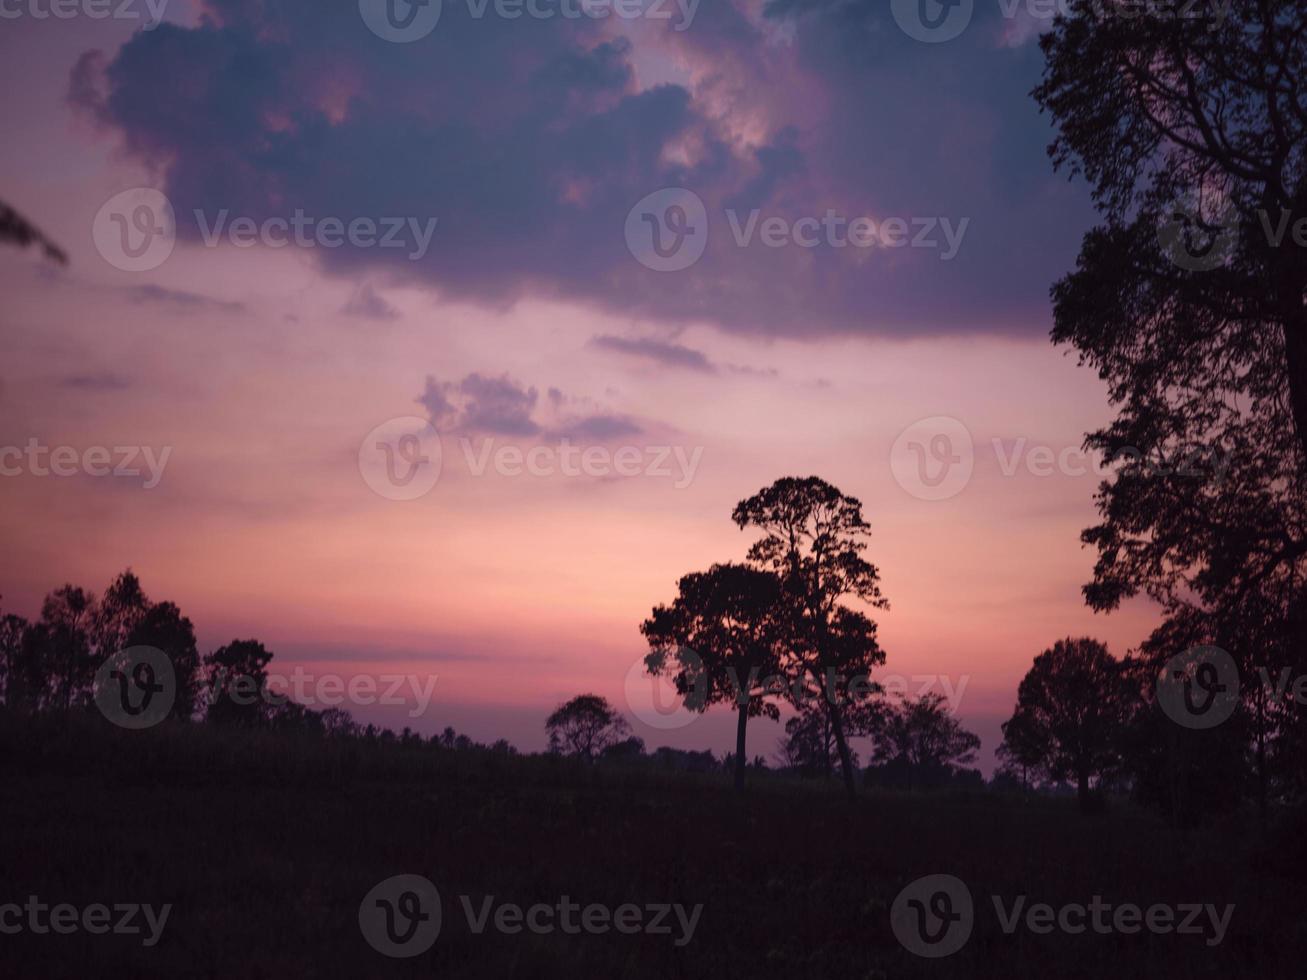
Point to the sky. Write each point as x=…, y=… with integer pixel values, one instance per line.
x=445, y=349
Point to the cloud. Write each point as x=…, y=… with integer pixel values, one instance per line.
x=150, y=293
x=368, y=304
x=504, y=407
x=801, y=111
x=659, y=351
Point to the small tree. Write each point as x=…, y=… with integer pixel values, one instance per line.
x=237, y=678
x=723, y=640
x=809, y=743
x=925, y=743
x=585, y=726
x=1072, y=710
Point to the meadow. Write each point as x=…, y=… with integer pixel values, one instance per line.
x=264, y=843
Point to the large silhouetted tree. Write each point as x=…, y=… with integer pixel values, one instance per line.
x=1188, y=300
x=814, y=537
x=723, y=640
x=585, y=726
x=1073, y=707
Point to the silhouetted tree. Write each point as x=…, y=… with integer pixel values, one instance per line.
x=236, y=678
x=723, y=640
x=585, y=726
x=1021, y=755
x=63, y=635
x=809, y=743
x=814, y=537
x=163, y=627
x=625, y=750
x=1074, y=704
x=920, y=744
x=1197, y=127
x=12, y=628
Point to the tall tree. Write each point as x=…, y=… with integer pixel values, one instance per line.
x=814, y=537
x=12, y=628
x=585, y=726
x=1189, y=301
x=1073, y=707
x=723, y=641
x=64, y=637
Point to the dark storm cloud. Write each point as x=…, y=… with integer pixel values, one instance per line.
x=530, y=141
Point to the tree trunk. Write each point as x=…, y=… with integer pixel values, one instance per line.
x=742, y=719
x=846, y=761
x=1083, y=791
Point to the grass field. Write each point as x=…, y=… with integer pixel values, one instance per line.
x=265, y=846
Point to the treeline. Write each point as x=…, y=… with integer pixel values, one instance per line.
x=1189, y=732
x=55, y=663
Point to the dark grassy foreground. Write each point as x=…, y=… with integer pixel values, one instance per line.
x=265, y=845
